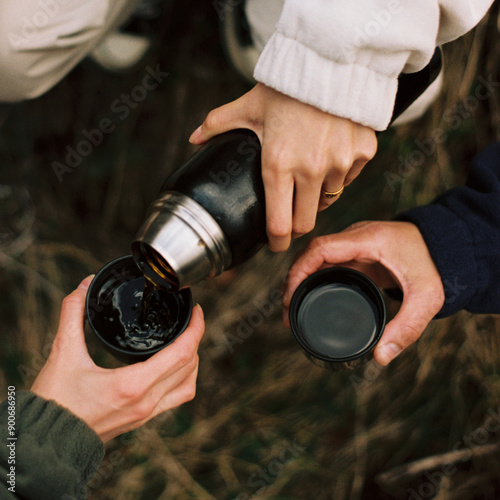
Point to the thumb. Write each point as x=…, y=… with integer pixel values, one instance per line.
x=405, y=329
x=195, y=330
x=72, y=319
x=231, y=116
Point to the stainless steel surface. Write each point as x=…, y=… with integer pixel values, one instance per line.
x=186, y=236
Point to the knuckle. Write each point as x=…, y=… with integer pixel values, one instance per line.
x=304, y=227
x=192, y=364
x=276, y=160
x=372, y=149
x=317, y=245
x=212, y=120
x=435, y=296
x=408, y=335
x=70, y=302
x=189, y=391
x=369, y=148
x=343, y=161
x=144, y=408
x=317, y=165
x=185, y=356
x=278, y=229
x=129, y=391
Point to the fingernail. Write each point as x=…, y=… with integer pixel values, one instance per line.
x=387, y=352
x=201, y=310
x=195, y=136
x=86, y=282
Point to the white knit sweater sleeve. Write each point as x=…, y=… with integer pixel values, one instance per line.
x=344, y=56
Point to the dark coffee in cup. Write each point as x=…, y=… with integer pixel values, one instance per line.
x=132, y=318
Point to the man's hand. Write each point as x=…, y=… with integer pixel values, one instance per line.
x=393, y=255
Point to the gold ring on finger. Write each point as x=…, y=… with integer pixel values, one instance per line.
x=332, y=194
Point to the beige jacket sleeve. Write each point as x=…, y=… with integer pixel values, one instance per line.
x=42, y=40
x=344, y=57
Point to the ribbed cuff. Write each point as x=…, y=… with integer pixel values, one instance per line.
x=352, y=91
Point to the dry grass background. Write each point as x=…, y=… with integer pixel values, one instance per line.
x=266, y=423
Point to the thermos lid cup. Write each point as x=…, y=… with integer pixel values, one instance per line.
x=337, y=316
x=113, y=309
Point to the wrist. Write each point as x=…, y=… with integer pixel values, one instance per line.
x=354, y=91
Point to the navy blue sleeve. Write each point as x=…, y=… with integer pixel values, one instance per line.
x=462, y=231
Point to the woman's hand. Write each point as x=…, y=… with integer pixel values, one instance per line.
x=114, y=401
x=304, y=150
x=393, y=255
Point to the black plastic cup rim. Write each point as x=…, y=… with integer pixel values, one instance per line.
x=123, y=269
x=360, y=283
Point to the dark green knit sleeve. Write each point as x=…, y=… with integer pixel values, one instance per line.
x=46, y=452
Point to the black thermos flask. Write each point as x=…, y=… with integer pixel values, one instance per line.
x=209, y=217
x=210, y=214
